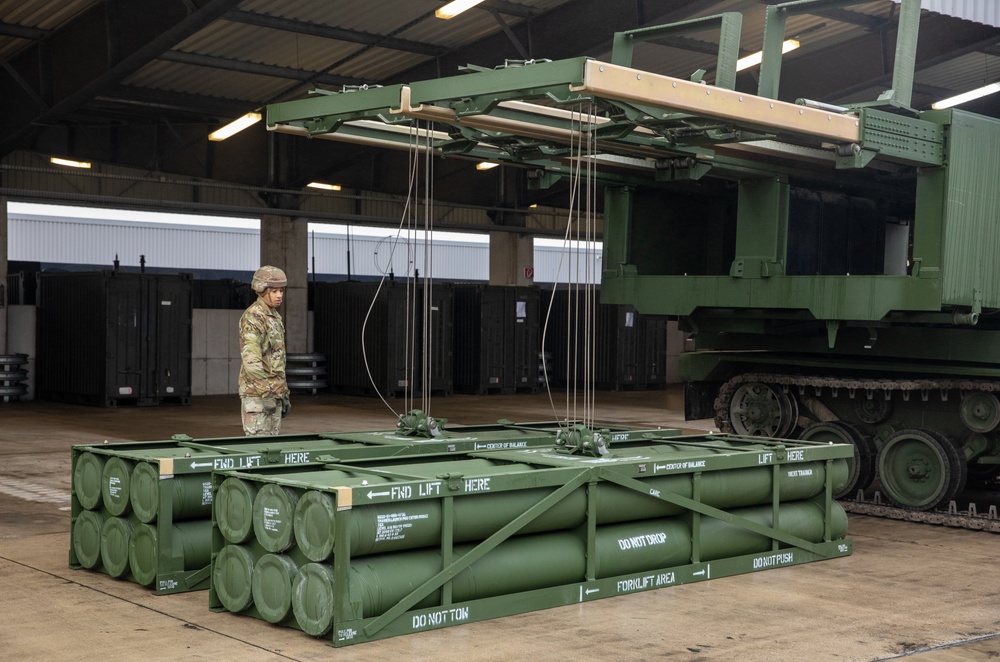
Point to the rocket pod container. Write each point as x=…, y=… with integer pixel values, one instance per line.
x=368, y=549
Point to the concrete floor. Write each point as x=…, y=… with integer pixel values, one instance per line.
x=927, y=593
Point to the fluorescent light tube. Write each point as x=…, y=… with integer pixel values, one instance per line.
x=978, y=93
x=68, y=162
x=453, y=9
x=754, y=59
x=235, y=127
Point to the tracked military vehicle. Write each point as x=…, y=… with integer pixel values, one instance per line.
x=835, y=266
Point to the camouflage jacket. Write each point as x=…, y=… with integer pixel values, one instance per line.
x=262, y=350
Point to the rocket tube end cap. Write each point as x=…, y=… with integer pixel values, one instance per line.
x=315, y=515
x=313, y=598
x=86, y=538
x=87, y=479
x=232, y=577
x=144, y=491
x=271, y=586
x=234, y=509
x=142, y=554
x=116, y=485
x=273, y=517
x=116, y=534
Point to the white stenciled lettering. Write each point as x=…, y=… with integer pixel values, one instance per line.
x=795, y=456
x=477, y=484
x=393, y=526
x=644, y=540
x=765, y=458
x=675, y=466
x=296, y=458
x=772, y=560
x=666, y=579
x=636, y=584
x=800, y=472
x=206, y=493
x=429, y=489
x=500, y=445
x=272, y=519
x=401, y=492
x=441, y=617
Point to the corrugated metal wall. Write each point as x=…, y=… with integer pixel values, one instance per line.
x=84, y=241
x=986, y=12
x=971, y=232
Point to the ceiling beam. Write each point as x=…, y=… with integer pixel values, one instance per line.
x=270, y=70
x=22, y=32
x=329, y=32
x=79, y=59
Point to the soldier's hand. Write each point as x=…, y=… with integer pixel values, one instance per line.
x=286, y=405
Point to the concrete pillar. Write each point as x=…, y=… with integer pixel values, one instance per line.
x=284, y=243
x=512, y=259
x=3, y=275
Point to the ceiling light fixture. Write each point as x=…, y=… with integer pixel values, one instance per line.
x=235, y=127
x=754, y=59
x=453, y=9
x=68, y=162
x=325, y=187
x=978, y=93
x=486, y=165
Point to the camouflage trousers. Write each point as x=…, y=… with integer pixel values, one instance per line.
x=261, y=416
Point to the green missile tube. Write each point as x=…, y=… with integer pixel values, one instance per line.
x=801, y=518
x=116, y=534
x=190, y=541
x=85, y=538
x=191, y=495
x=87, y=476
x=538, y=561
x=116, y=485
x=417, y=523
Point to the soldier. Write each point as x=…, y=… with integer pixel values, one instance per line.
x=263, y=390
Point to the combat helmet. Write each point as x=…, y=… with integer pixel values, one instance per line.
x=268, y=276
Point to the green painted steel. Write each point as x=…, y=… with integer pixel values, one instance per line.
x=433, y=543
x=166, y=486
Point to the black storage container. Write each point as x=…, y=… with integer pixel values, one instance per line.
x=111, y=338
x=393, y=338
x=496, y=339
x=653, y=353
x=224, y=293
x=625, y=354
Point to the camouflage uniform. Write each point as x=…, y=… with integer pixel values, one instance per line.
x=262, y=385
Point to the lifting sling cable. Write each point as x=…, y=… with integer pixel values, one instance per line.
x=579, y=392
x=403, y=226
x=428, y=283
